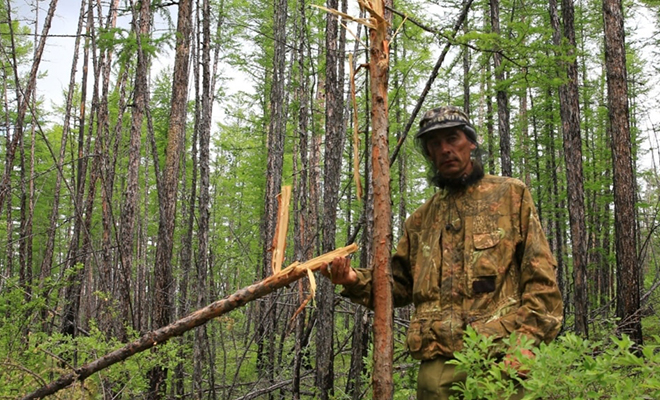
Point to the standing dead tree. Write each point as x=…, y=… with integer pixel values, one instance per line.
x=379, y=39
x=257, y=290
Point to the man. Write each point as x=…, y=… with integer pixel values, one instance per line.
x=474, y=254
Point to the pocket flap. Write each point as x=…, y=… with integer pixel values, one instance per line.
x=484, y=241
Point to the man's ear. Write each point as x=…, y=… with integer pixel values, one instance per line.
x=473, y=146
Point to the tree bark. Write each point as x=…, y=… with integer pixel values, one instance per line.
x=382, y=240
x=628, y=269
x=334, y=140
x=502, y=96
x=302, y=241
x=275, y=145
x=70, y=314
x=201, y=338
x=162, y=304
x=569, y=104
x=141, y=27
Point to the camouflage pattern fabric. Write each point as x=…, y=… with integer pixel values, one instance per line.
x=477, y=257
x=446, y=117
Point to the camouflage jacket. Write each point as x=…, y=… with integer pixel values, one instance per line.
x=476, y=257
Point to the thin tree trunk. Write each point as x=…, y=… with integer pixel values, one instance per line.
x=334, y=121
x=382, y=240
x=104, y=126
x=24, y=271
x=557, y=239
x=275, y=145
x=141, y=27
x=570, y=115
x=490, y=125
x=466, y=68
x=301, y=215
x=70, y=314
x=201, y=338
x=361, y=331
x=628, y=269
x=163, y=291
x=502, y=96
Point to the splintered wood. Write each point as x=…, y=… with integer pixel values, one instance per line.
x=279, y=240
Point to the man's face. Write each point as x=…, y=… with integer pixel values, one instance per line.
x=450, y=150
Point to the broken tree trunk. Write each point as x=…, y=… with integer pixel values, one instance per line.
x=382, y=240
x=291, y=274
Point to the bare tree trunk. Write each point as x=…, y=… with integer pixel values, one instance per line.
x=527, y=156
x=490, y=125
x=70, y=314
x=142, y=27
x=9, y=267
x=302, y=241
x=201, y=339
x=275, y=145
x=163, y=291
x=382, y=240
x=110, y=256
x=24, y=271
x=466, y=68
x=334, y=124
x=570, y=115
x=556, y=240
x=628, y=269
x=361, y=331
x=502, y=96
x=104, y=274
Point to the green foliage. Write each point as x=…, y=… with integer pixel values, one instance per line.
x=571, y=367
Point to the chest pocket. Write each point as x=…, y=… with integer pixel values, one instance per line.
x=486, y=261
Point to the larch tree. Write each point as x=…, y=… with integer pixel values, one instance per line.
x=47, y=256
x=628, y=270
x=75, y=256
x=334, y=140
x=201, y=346
x=275, y=160
x=502, y=96
x=141, y=26
x=163, y=291
x=302, y=222
x=569, y=105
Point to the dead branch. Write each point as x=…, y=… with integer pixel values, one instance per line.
x=197, y=318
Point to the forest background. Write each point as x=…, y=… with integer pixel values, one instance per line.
x=141, y=184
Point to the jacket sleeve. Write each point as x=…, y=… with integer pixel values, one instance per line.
x=541, y=312
x=361, y=292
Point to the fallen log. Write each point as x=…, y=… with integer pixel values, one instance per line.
x=288, y=275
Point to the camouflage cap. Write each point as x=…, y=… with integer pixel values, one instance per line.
x=446, y=117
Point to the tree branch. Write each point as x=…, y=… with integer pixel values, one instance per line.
x=291, y=274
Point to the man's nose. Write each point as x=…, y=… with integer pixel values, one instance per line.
x=444, y=147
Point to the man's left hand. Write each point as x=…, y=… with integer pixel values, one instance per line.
x=510, y=360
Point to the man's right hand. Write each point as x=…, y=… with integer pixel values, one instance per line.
x=339, y=271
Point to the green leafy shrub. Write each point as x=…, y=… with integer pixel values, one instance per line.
x=569, y=368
